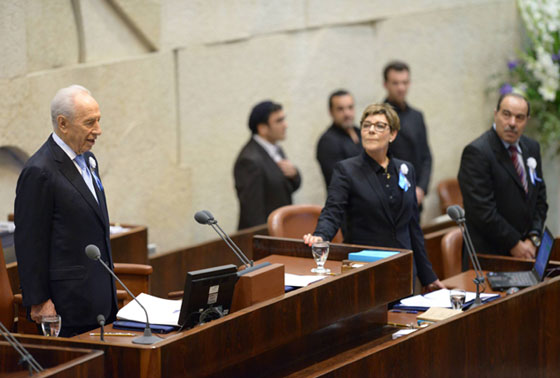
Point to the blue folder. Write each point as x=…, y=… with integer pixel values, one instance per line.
x=369, y=255
x=139, y=326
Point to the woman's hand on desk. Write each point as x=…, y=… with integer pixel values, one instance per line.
x=310, y=239
x=436, y=285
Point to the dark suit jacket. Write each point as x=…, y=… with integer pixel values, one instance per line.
x=411, y=144
x=261, y=186
x=56, y=217
x=498, y=211
x=333, y=146
x=356, y=192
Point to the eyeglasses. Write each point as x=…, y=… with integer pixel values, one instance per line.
x=379, y=127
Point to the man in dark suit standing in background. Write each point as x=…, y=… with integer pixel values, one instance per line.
x=264, y=178
x=412, y=142
x=342, y=139
x=502, y=185
x=60, y=208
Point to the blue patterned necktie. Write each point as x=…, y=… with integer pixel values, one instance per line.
x=86, y=174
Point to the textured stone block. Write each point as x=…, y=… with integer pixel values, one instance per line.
x=12, y=39
x=215, y=21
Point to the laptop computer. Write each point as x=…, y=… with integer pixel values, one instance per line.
x=505, y=280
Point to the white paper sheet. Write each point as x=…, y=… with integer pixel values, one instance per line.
x=439, y=298
x=160, y=311
x=300, y=281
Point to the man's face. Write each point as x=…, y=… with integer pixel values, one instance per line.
x=342, y=111
x=276, y=128
x=397, y=84
x=80, y=132
x=511, y=118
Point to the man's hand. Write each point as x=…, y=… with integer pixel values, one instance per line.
x=43, y=309
x=310, y=239
x=436, y=285
x=420, y=194
x=288, y=169
x=524, y=249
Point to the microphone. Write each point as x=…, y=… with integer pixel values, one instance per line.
x=26, y=357
x=101, y=322
x=93, y=253
x=457, y=213
x=206, y=217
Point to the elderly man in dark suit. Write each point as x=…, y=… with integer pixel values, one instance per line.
x=60, y=208
x=502, y=184
x=264, y=178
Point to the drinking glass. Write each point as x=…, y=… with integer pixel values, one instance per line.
x=320, y=252
x=457, y=298
x=51, y=325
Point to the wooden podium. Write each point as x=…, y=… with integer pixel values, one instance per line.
x=275, y=337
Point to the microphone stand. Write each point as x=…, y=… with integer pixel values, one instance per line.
x=479, y=279
x=147, y=338
x=225, y=237
x=26, y=357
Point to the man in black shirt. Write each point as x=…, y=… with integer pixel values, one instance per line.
x=342, y=139
x=411, y=143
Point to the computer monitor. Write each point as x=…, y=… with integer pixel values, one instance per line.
x=207, y=295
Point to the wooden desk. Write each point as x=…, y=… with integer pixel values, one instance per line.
x=276, y=337
x=57, y=361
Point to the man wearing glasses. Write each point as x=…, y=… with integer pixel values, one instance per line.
x=502, y=184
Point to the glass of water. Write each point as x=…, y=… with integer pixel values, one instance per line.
x=457, y=298
x=320, y=252
x=51, y=325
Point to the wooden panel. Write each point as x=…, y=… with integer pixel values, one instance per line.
x=130, y=246
x=170, y=268
x=57, y=361
x=555, y=254
x=516, y=336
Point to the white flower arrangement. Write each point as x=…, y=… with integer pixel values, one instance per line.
x=536, y=74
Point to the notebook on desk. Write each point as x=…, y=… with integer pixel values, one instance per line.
x=505, y=280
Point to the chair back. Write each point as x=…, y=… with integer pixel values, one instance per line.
x=449, y=194
x=6, y=294
x=451, y=250
x=294, y=221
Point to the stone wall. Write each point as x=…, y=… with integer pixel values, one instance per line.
x=176, y=80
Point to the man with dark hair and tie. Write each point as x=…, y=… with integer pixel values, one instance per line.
x=264, y=178
x=412, y=142
x=342, y=140
x=502, y=184
x=60, y=208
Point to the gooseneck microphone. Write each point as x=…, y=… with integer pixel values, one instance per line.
x=457, y=213
x=206, y=217
x=26, y=357
x=92, y=251
x=101, y=322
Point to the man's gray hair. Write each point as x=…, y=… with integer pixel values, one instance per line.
x=63, y=102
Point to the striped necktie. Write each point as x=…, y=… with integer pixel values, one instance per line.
x=518, y=164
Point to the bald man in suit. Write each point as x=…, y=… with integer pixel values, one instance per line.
x=60, y=208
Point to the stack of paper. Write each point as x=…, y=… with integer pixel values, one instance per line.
x=301, y=281
x=439, y=298
x=160, y=311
